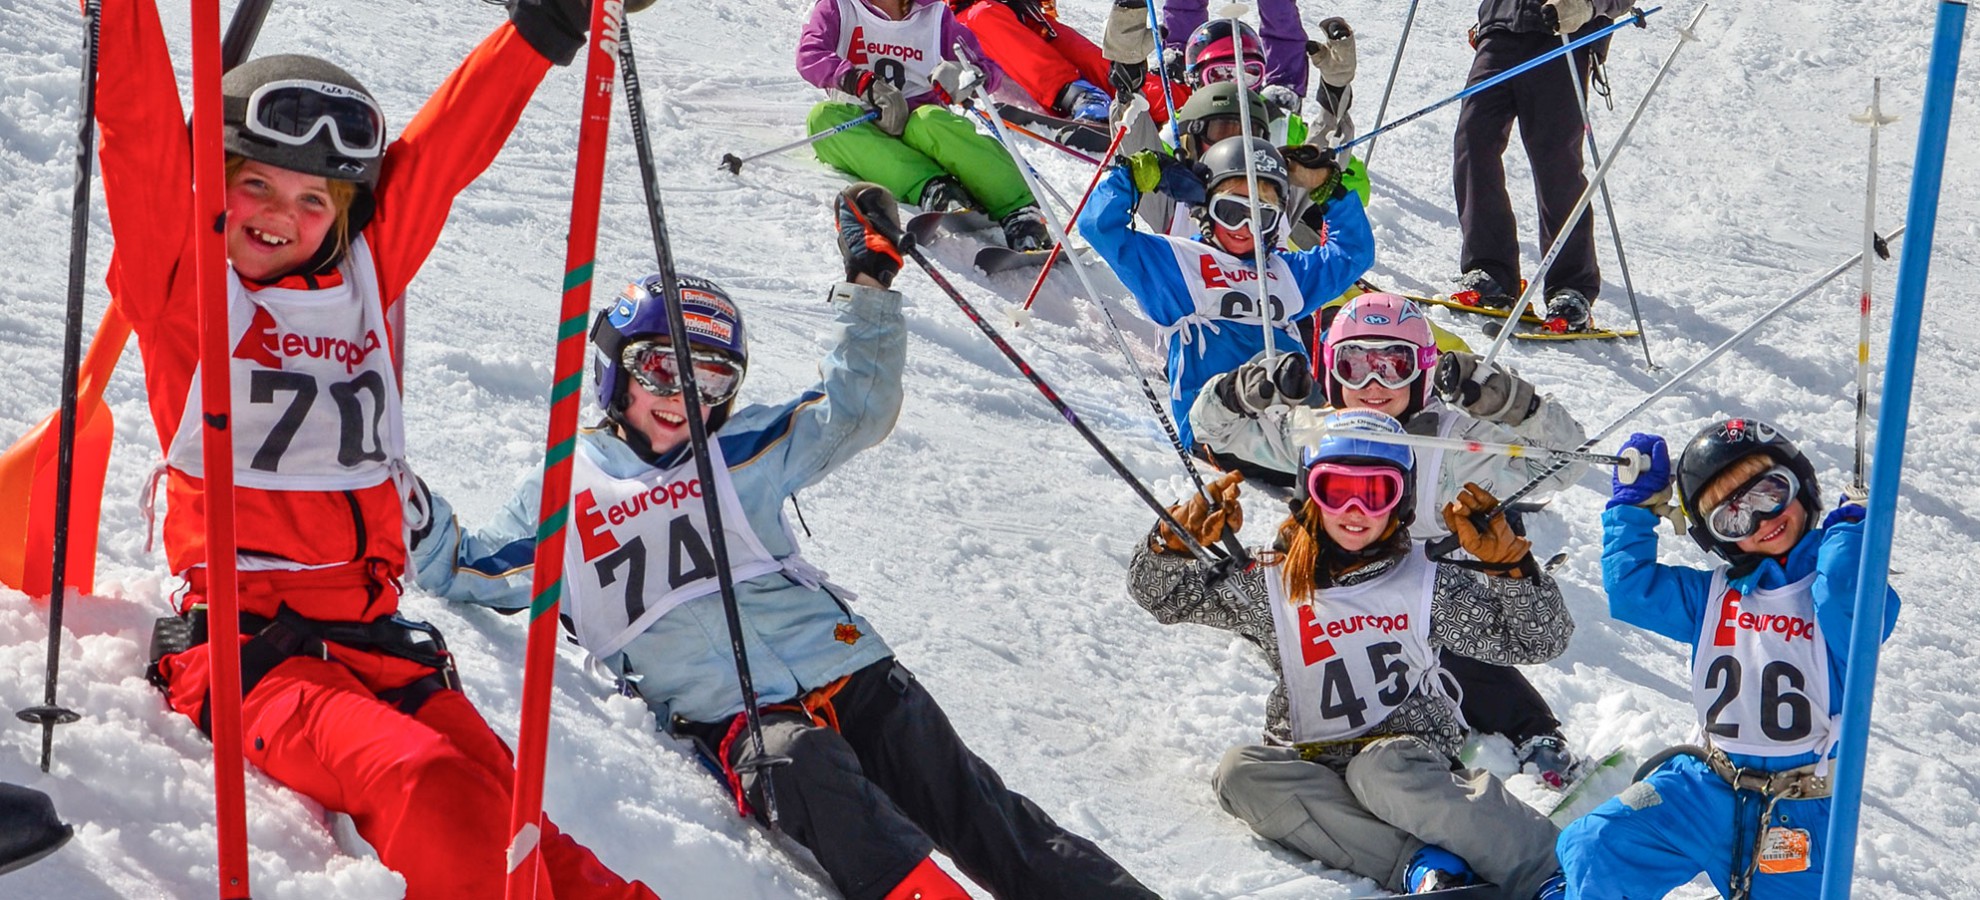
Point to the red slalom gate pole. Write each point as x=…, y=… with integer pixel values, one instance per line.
x=1060, y=247
x=217, y=449
x=546, y=583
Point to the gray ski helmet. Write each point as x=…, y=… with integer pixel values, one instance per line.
x=1215, y=101
x=713, y=321
x=1225, y=161
x=314, y=117
x=1714, y=450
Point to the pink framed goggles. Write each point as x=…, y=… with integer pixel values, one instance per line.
x=1227, y=70
x=1378, y=490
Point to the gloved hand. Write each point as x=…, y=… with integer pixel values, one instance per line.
x=1085, y=100
x=1504, y=553
x=1158, y=172
x=1335, y=56
x=864, y=214
x=1200, y=521
x=557, y=28
x=1127, y=38
x=1503, y=396
x=1848, y=509
x=1314, y=170
x=1648, y=481
x=1127, y=78
x=880, y=94
x=1281, y=99
x=1566, y=16
x=956, y=81
x=1257, y=386
x=418, y=510
x=1174, y=65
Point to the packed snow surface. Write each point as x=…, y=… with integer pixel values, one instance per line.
x=985, y=539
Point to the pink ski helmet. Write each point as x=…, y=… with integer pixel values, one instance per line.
x=1380, y=318
x=1212, y=45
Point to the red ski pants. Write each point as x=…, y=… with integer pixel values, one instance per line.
x=429, y=791
x=1042, y=65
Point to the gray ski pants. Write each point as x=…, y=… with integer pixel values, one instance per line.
x=1398, y=794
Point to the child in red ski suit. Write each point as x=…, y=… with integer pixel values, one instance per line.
x=344, y=702
x=1062, y=71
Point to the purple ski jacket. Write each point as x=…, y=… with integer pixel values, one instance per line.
x=818, y=58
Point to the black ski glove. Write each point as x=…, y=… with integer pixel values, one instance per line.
x=1503, y=397
x=557, y=28
x=1258, y=386
x=1127, y=78
x=867, y=217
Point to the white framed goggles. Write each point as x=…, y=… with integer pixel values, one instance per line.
x=653, y=364
x=1394, y=364
x=1761, y=498
x=295, y=111
x=1234, y=212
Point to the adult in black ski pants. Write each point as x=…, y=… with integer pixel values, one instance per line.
x=1510, y=32
x=887, y=757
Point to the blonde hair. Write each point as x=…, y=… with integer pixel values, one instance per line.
x=1730, y=478
x=342, y=193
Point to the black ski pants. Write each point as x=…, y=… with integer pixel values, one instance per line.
x=1543, y=102
x=873, y=798
x=1499, y=700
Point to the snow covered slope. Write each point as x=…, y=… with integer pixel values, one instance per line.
x=985, y=539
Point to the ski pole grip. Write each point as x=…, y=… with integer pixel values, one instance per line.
x=1633, y=464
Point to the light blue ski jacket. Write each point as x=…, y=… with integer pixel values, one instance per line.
x=1147, y=267
x=1673, y=600
x=798, y=638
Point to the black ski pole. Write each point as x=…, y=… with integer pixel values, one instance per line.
x=48, y=714
x=242, y=31
x=697, y=431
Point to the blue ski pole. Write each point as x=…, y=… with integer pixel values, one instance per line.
x=734, y=163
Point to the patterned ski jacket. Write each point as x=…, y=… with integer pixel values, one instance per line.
x=1508, y=621
x=798, y=630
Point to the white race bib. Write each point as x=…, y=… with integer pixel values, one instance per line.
x=639, y=547
x=1354, y=654
x=1760, y=676
x=903, y=52
x=315, y=393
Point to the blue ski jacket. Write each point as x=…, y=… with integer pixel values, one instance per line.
x=1147, y=267
x=799, y=636
x=1672, y=600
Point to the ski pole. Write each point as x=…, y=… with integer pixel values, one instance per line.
x=1231, y=542
x=1041, y=190
x=1139, y=104
x=734, y=163
x=1533, y=287
x=48, y=714
x=1409, y=21
x=906, y=244
x=1875, y=118
x=1635, y=17
x=1517, y=451
x=1609, y=207
x=560, y=444
x=1702, y=362
x=1073, y=152
x=704, y=466
x=1258, y=250
x=1162, y=62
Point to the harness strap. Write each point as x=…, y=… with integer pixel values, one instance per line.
x=816, y=706
x=1799, y=783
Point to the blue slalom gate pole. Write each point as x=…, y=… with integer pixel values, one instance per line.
x=1893, y=416
x=1635, y=17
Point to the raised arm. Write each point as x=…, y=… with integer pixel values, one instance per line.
x=1324, y=272
x=1144, y=263
x=146, y=162
x=490, y=566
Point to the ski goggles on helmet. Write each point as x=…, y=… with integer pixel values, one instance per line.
x=654, y=365
x=294, y=112
x=1761, y=498
x=1377, y=490
x=1234, y=212
x=1392, y=363
x=1228, y=70
x=1217, y=128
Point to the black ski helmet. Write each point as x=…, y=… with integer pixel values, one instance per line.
x=1225, y=161
x=712, y=319
x=323, y=106
x=1216, y=101
x=1714, y=450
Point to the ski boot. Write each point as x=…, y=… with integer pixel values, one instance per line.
x=1554, y=888
x=1567, y=310
x=944, y=194
x=1475, y=288
x=1025, y=230
x=1550, y=758
x=1435, y=869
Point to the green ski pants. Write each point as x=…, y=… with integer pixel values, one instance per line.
x=936, y=142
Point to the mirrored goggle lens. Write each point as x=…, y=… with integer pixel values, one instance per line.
x=1740, y=515
x=1254, y=73
x=294, y=112
x=1234, y=212
x=1394, y=365
x=655, y=368
x=1375, y=489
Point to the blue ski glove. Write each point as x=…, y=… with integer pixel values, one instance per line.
x=1085, y=100
x=1158, y=172
x=1846, y=510
x=1654, y=478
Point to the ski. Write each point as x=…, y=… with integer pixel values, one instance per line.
x=1469, y=302
x=1087, y=136
x=1583, y=776
x=1545, y=333
x=925, y=227
x=997, y=260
